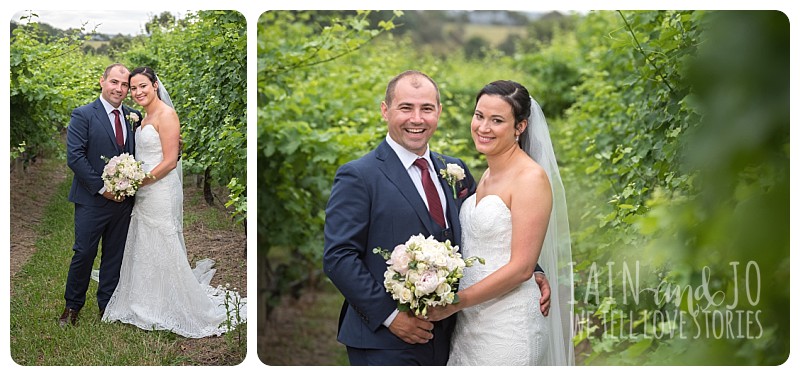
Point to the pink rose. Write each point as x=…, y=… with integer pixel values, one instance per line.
x=428, y=282
x=123, y=184
x=400, y=259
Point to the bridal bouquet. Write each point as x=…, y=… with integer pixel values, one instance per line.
x=423, y=272
x=123, y=175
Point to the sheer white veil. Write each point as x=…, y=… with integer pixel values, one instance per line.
x=204, y=273
x=556, y=254
x=164, y=96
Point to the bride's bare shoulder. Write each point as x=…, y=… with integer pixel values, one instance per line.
x=531, y=172
x=165, y=116
x=531, y=178
x=168, y=114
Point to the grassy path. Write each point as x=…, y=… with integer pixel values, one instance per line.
x=37, y=300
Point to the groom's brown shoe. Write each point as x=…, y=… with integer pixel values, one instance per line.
x=68, y=317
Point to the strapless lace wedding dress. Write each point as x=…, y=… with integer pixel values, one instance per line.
x=157, y=288
x=510, y=329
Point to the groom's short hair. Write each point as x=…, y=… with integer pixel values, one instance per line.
x=112, y=66
x=393, y=83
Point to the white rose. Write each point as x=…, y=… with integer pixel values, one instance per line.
x=393, y=287
x=455, y=171
x=399, y=288
x=414, y=240
x=405, y=295
x=455, y=262
x=443, y=289
x=388, y=277
x=425, y=254
x=439, y=259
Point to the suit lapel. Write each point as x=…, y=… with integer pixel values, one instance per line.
x=103, y=119
x=452, y=206
x=391, y=167
x=129, y=141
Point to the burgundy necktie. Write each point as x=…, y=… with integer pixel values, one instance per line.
x=434, y=204
x=118, y=130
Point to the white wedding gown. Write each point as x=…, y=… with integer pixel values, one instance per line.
x=157, y=288
x=508, y=330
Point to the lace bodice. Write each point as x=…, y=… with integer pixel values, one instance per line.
x=160, y=203
x=506, y=330
x=487, y=234
x=148, y=147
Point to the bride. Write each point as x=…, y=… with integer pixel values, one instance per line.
x=516, y=217
x=157, y=288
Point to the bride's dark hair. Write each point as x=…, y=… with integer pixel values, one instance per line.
x=515, y=95
x=147, y=72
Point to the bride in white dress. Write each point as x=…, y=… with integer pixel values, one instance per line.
x=516, y=218
x=157, y=288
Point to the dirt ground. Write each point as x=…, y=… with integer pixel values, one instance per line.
x=29, y=196
x=28, y=201
x=301, y=333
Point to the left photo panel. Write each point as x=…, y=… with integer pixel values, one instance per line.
x=128, y=197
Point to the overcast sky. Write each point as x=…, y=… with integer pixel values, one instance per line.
x=127, y=22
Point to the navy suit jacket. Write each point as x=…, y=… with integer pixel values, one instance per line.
x=90, y=136
x=374, y=203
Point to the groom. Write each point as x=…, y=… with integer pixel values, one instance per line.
x=96, y=130
x=380, y=200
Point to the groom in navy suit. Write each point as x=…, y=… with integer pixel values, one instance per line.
x=380, y=200
x=103, y=128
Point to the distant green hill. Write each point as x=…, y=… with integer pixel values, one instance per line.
x=494, y=34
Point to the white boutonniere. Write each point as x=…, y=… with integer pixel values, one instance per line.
x=452, y=175
x=132, y=117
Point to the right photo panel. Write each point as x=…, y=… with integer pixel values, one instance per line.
x=570, y=188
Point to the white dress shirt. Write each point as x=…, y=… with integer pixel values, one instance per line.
x=112, y=118
x=407, y=158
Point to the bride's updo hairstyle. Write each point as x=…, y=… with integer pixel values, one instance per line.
x=516, y=96
x=149, y=73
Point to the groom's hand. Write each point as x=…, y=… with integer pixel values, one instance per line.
x=411, y=329
x=544, y=287
x=180, y=146
x=111, y=197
